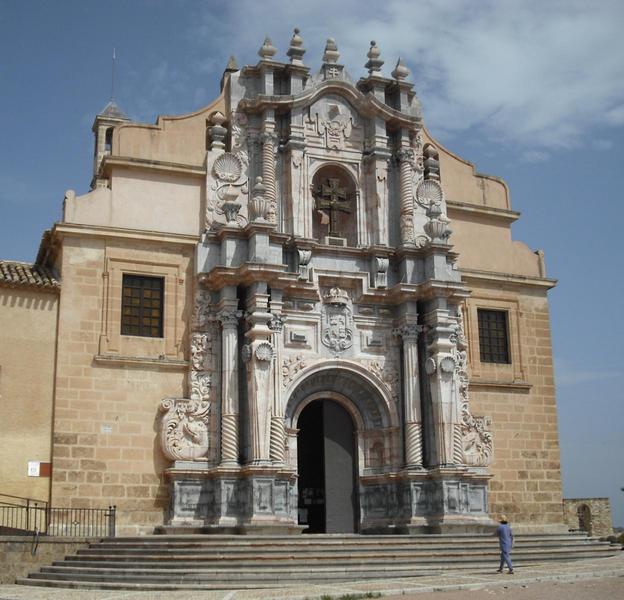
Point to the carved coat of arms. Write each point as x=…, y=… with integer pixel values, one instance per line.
x=337, y=332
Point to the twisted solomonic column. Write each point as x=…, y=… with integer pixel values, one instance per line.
x=229, y=389
x=268, y=140
x=411, y=394
x=405, y=156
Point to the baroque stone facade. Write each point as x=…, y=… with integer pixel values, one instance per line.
x=314, y=246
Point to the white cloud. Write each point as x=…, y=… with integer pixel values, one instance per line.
x=535, y=156
x=602, y=145
x=537, y=74
x=567, y=373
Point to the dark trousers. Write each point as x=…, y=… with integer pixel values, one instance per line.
x=505, y=560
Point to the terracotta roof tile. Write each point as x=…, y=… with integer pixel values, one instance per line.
x=14, y=274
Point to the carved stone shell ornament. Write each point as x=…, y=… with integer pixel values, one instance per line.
x=228, y=167
x=429, y=191
x=264, y=351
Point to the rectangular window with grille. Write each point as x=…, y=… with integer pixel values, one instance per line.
x=493, y=336
x=142, y=306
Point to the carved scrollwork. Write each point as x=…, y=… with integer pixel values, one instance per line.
x=290, y=367
x=475, y=431
x=201, y=346
x=201, y=309
x=184, y=428
x=200, y=382
x=387, y=372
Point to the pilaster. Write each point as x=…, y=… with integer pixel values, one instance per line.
x=445, y=436
x=259, y=356
x=228, y=316
x=409, y=332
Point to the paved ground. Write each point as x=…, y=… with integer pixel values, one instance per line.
x=596, y=579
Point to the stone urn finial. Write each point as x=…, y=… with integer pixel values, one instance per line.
x=400, y=71
x=374, y=63
x=296, y=49
x=259, y=203
x=331, y=54
x=230, y=205
x=267, y=50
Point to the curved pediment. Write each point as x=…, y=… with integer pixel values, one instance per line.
x=367, y=105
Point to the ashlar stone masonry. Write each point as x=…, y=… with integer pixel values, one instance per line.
x=295, y=310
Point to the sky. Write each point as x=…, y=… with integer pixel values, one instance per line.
x=530, y=91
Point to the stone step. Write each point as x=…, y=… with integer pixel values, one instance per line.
x=236, y=577
x=372, y=544
x=293, y=564
x=327, y=539
x=406, y=554
x=401, y=553
x=227, y=562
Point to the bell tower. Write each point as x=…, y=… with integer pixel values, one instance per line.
x=103, y=126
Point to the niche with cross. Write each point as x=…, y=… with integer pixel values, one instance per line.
x=334, y=219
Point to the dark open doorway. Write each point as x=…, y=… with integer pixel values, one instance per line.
x=327, y=467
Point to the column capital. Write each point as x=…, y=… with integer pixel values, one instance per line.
x=405, y=155
x=268, y=137
x=229, y=318
x=276, y=323
x=408, y=331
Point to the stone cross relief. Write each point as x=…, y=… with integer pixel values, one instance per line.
x=333, y=198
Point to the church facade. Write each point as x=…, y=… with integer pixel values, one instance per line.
x=294, y=310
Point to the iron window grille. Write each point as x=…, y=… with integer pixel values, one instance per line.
x=142, y=306
x=493, y=336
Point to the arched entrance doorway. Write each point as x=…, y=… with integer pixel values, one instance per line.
x=326, y=463
x=340, y=424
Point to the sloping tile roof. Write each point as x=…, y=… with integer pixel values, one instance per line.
x=18, y=274
x=113, y=110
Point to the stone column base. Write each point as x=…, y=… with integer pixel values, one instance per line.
x=243, y=500
x=450, y=499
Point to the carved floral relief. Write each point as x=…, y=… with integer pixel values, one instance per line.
x=184, y=428
x=475, y=433
x=386, y=370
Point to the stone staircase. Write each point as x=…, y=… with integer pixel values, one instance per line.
x=211, y=562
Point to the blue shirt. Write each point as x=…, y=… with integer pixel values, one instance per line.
x=505, y=537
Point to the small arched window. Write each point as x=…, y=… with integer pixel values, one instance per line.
x=108, y=140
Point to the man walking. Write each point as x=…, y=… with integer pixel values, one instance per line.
x=505, y=541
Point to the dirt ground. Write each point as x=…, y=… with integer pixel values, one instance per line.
x=610, y=588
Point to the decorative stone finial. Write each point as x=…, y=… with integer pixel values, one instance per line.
x=232, y=65
x=331, y=54
x=217, y=131
x=230, y=205
x=296, y=49
x=437, y=226
x=268, y=50
x=431, y=162
x=374, y=63
x=400, y=71
x=259, y=203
